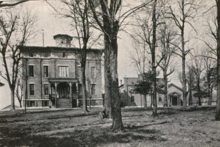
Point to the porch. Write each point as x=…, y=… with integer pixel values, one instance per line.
x=64, y=92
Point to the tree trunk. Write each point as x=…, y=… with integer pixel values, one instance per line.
x=198, y=90
x=145, y=101
x=112, y=97
x=84, y=91
x=190, y=94
x=183, y=68
x=83, y=70
x=209, y=89
x=20, y=103
x=12, y=99
x=218, y=61
x=151, y=97
x=117, y=124
x=154, y=93
x=166, y=90
x=107, y=74
x=153, y=50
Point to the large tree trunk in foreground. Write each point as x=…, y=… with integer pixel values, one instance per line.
x=107, y=105
x=111, y=87
x=218, y=61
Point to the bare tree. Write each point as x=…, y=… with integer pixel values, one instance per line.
x=8, y=4
x=140, y=60
x=17, y=29
x=190, y=78
x=197, y=68
x=112, y=20
x=79, y=12
x=218, y=59
x=18, y=93
x=167, y=35
x=182, y=14
x=140, y=54
x=209, y=66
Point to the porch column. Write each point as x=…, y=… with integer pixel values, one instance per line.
x=171, y=103
x=51, y=96
x=71, y=95
x=77, y=92
x=168, y=101
x=56, y=94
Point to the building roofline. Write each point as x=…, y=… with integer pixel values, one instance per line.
x=62, y=35
x=49, y=48
x=175, y=86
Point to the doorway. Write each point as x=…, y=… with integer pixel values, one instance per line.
x=63, y=90
x=174, y=100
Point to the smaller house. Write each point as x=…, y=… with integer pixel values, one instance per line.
x=130, y=98
x=175, y=95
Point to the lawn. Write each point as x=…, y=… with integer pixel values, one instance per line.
x=173, y=127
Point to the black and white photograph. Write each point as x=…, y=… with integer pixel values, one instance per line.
x=109, y=73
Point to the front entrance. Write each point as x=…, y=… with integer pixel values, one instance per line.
x=63, y=90
x=67, y=95
x=174, y=100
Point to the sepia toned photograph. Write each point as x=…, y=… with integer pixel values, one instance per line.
x=109, y=73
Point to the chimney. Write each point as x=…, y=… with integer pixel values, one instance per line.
x=63, y=40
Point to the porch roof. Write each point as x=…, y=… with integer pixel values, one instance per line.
x=174, y=94
x=74, y=80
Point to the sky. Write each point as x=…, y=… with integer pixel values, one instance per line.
x=50, y=24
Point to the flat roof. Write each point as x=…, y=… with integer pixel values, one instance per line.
x=55, y=48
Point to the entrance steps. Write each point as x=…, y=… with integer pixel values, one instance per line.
x=64, y=103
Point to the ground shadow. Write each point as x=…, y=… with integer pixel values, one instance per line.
x=92, y=136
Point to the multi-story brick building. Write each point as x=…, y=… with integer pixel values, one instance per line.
x=52, y=75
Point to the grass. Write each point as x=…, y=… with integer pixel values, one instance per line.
x=73, y=128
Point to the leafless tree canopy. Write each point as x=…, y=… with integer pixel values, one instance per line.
x=16, y=29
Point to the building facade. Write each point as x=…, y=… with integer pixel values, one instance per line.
x=52, y=75
x=129, y=98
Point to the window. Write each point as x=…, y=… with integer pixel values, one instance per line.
x=45, y=103
x=64, y=54
x=80, y=89
x=31, y=89
x=45, y=71
x=46, y=89
x=31, y=103
x=31, y=70
x=93, y=73
x=92, y=89
x=63, y=71
x=160, y=99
